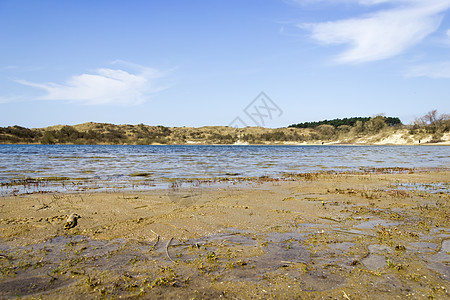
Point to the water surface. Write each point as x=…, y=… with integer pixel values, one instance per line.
x=113, y=166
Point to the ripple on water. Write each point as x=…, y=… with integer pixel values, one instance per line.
x=171, y=162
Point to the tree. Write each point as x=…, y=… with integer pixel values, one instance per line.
x=359, y=127
x=326, y=131
x=432, y=122
x=374, y=125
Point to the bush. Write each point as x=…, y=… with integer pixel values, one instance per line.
x=344, y=128
x=48, y=138
x=432, y=122
x=326, y=131
x=374, y=125
x=358, y=128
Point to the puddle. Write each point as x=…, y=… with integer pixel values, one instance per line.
x=423, y=247
x=443, y=254
x=378, y=248
x=336, y=254
x=30, y=285
x=376, y=259
x=373, y=223
x=231, y=256
x=374, y=262
x=342, y=246
x=286, y=236
x=320, y=280
x=433, y=188
x=441, y=268
x=312, y=225
x=280, y=254
x=440, y=261
x=33, y=269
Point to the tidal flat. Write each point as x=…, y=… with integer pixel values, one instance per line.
x=373, y=235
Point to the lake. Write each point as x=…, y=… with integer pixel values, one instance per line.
x=99, y=167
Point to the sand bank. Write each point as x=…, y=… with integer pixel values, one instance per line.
x=343, y=236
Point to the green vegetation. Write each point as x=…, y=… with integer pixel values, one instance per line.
x=429, y=128
x=432, y=123
x=390, y=121
x=90, y=133
x=17, y=134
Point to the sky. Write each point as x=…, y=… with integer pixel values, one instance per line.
x=240, y=63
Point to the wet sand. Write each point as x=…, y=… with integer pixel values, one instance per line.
x=316, y=236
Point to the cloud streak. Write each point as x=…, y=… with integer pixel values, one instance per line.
x=383, y=34
x=104, y=86
x=431, y=70
x=7, y=99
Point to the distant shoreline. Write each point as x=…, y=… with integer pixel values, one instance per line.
x=110, y=134
x=446, y=143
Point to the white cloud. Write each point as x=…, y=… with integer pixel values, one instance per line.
x=382, y=34
x=432, y=70
x=8, y=67
x=362, y=2
x=7, y=99
x=448, y=33
x=104, y=86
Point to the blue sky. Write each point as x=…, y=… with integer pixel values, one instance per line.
x=196, y=63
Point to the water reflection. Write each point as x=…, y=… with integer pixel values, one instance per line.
x=114, y=164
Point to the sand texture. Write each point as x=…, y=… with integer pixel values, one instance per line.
x=316, y=236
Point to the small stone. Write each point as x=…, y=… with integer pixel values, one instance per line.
x=71, y=221
x=400, y=248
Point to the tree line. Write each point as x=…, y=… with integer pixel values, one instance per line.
x=390, y=121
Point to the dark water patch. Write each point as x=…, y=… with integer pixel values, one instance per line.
x=320, y=280
x=277, y=255
x=344, y=246
x=141, y=174
x=374, y=262
x=31, y=285
x=424, y=247
x=443, y=255
x=374, y=223
x=442, y=269
x=286, y=236
x=53, y=264
x=440, y=261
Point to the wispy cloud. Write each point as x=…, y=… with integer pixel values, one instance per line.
x=431, y=70
x=362, y=2
x=7, y=99
x=382, y=34
x=104, y=86
x=10, y=67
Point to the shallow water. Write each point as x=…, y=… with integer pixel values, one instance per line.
x=100, y=167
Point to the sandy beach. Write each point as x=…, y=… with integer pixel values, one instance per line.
x=313, y=236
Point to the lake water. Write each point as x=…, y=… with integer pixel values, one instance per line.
x=113, y=166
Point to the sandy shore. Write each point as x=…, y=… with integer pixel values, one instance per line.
x=344, y=236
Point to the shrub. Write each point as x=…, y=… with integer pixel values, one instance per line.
x=374, y=125
x=344, y=128
x=432, y=122
x=326, y=131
